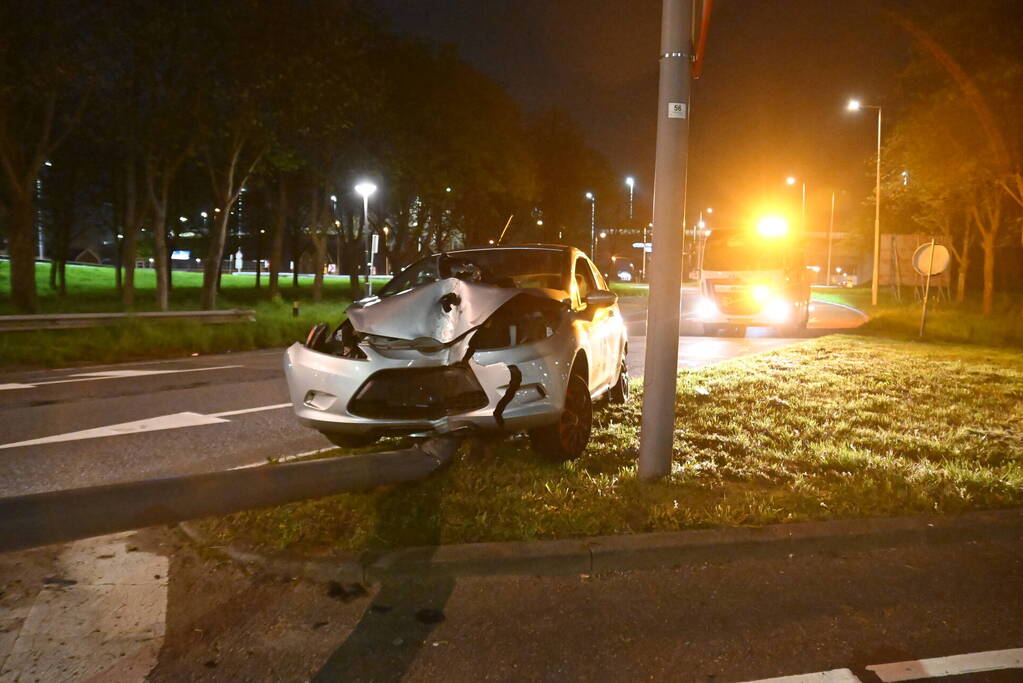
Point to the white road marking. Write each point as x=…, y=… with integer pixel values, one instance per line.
x=152, y=424
x=833, y=676
x=259, y=409
x=949, y=666
x=285, y=458
x=112, y=374
x=107, y=626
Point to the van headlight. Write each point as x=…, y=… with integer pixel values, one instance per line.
x=706, y=309
x=760, y=293
x=778, y=310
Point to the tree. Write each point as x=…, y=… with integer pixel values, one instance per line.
x=44, y=87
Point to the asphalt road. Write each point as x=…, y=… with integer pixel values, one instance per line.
x=751, y=618
x=104, y=424
x=147, y=606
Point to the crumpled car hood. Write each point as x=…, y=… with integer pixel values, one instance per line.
x=443, y=310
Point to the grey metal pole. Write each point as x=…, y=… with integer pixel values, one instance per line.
x=658, y=421
x=644, y=253
x=365, y=231
x=593, y=228
x=802, y=216
x=831, y=232
x=877, y=218
x=927, y=291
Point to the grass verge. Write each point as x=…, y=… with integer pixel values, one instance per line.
x=838, y=427
x=91, y=289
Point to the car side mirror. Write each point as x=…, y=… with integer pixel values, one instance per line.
x=601, y=299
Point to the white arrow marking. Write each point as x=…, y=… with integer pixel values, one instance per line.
x=174, y=421
x=112, y=374
x=834, y=676
x=243, y=411
x=152, y=424
x=955, y=665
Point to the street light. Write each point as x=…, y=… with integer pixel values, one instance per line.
x=365, y=189
x=593, y=223
x=856, y=105
x=792, y=180
x=631, y=182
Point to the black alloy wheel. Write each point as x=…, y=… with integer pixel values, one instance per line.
x=567, y=438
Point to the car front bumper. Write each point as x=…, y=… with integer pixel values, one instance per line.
x=322, y=387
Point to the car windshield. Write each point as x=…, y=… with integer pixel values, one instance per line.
x=736, y=252
x=520, y=268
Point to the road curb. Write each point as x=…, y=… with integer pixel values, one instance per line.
x=632, y=552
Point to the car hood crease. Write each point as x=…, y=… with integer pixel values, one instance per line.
x=420, y=313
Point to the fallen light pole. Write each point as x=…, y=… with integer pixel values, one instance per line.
x=658, y=421
x=57, y=516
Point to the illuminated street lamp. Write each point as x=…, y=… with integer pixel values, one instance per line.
x=365, y=189
x=856, y=105
x=631, y=182
x=593, y=222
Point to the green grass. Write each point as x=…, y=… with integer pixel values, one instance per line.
x=630, y=288
x=843, y=426
x=91, y=290
x=946, y=322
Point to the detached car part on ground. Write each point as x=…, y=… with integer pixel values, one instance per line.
x=478, y=341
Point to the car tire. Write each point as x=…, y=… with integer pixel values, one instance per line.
x=566, y=439
x=619, y=391
x=350, y=440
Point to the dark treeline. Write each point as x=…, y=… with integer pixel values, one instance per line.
x=953, y=155
x=245, y=124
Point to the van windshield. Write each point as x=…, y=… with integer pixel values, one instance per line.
x=737, y=252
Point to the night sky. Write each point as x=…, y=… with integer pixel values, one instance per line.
x=770, y=103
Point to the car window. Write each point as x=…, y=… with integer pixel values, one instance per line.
x=520, y=268
x=583, y=279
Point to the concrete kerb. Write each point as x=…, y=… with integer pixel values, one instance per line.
x=631, y=552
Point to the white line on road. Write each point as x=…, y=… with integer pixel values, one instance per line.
x=285, y=458
x=243, y=411
x=833, y=676
x=949, y=666
x=111, y=374
x=152, y=424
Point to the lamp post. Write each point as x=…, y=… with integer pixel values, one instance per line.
x=831, y=232
x=792, y=180
x=365, y=189
x=631, y=182
x=856, y=105
x=648, y=225
x=593, y=224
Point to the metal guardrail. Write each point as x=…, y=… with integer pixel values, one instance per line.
x=69, y=321
x=58, y=516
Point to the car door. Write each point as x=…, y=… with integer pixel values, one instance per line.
x=608, y=332
x=588, y=326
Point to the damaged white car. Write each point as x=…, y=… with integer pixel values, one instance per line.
x=502, y=339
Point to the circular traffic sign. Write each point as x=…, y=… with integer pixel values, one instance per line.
x=931, y=257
